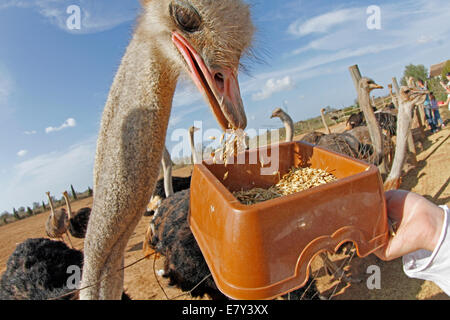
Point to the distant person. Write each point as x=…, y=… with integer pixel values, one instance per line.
x=427, y=107
x=437, y=120
x=422, y=237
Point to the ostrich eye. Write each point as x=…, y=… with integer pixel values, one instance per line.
x=185, y=16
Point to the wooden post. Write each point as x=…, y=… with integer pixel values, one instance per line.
x=356, y=75
x=411, y=144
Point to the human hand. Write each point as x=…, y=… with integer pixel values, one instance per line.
x=419, y=224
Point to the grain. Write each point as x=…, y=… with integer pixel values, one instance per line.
x=296, y=180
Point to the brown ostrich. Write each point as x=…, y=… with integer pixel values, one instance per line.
x=57, y=222
x=407, y=99
x=325, y=125
x=77, y=222
x=204, y=38
x=287, y=121
x=169, y=234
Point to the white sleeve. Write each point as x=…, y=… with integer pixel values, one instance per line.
x=433, y=266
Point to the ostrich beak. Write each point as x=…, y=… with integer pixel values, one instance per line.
x=219, y=86
x=375, y=86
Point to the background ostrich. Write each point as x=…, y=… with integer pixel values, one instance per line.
x=37, y=270
x=205, y=38
x=407, y=99
x=165, y=186
x=287, y=121
x=325, y=125
x=77, y=222
x=57, y=222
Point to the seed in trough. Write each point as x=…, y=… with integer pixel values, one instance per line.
x=298, y=179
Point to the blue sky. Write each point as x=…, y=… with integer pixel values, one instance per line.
x=54, y=81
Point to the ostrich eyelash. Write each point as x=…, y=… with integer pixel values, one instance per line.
x=179, y=10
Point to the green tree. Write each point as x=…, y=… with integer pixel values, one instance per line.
x=29, y=211
x=418, y=72
x=16, y=214
x=90, y=192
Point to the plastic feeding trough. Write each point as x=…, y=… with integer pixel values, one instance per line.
x=264, y=250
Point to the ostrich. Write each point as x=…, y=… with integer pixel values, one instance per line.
x=338, y=142
x=38, y=269
x=57, y=222
x=407, y=99
x=322, y=114
x=78, y=222
x=206, y=39
x=287, y=121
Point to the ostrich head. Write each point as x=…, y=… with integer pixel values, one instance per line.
x=412, y=96
x=368, y=85
x=207, y=39
x=277, y=113
x=193, y=130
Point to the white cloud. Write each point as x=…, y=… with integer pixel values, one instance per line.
x=22, y=153
x=54, y=172
x=324, y=22
x=69, y=123
x=96, y=16
x=29, y=133
x=273, y=86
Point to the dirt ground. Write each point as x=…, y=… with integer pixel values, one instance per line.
x=430, y=178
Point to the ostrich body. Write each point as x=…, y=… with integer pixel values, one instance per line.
x=78, y=222
x=38, y=269
x=57, y=222
x=407, y=99
x=205, y=38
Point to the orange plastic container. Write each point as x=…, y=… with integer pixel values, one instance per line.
x=264, y=250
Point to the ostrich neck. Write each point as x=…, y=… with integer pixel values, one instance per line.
x=69, y=208
x=167, y=169
x=129, y=151
x=325, y=122
x=404, y=119
x=372, y=123
x=52, y=210
x=193, y=151
x=289, y=125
